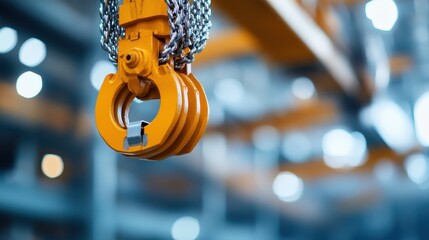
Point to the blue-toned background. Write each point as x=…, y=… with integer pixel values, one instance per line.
x=319, y=127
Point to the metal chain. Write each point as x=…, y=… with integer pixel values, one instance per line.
x=196, y=24
x=189, y=23
x=110, y=29
x=176, y=18
x=198, y=34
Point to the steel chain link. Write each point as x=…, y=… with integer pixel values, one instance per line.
x=110, y=29
x=189, y=22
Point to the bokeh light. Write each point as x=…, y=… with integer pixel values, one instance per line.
x=342, y=149
x=185, y=228
x=8, y=39
x=303, y=88
x=52, y=165
x=421, y=119
x=382, y=13
x=393, y=125
x=417, y=168
x=99, y=71
x=29, y=84
x=32, y=52
x=288, y=187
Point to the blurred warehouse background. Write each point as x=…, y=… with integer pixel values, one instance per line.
x=318, y=129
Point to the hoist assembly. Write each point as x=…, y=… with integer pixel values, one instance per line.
x=152, y=43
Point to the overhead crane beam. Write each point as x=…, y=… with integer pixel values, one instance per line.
x=226, y=44
x=41, y=112
x=287, y=34
x=318, y=169
x=246, y=182
x=305, y=115
x=37, y=112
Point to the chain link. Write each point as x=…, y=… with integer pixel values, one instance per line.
x=198, y=28
x=110, y=29
x=189, y=23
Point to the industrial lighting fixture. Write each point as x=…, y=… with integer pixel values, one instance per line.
x=185, y=228
x=29, y=84
x=288, y=187
x=99, y=72
x=8, y=39
x=382, y=13
x=32, y=52
x=52, y=165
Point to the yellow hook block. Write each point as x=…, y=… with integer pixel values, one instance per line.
x=139, y=75
x=183, y=113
